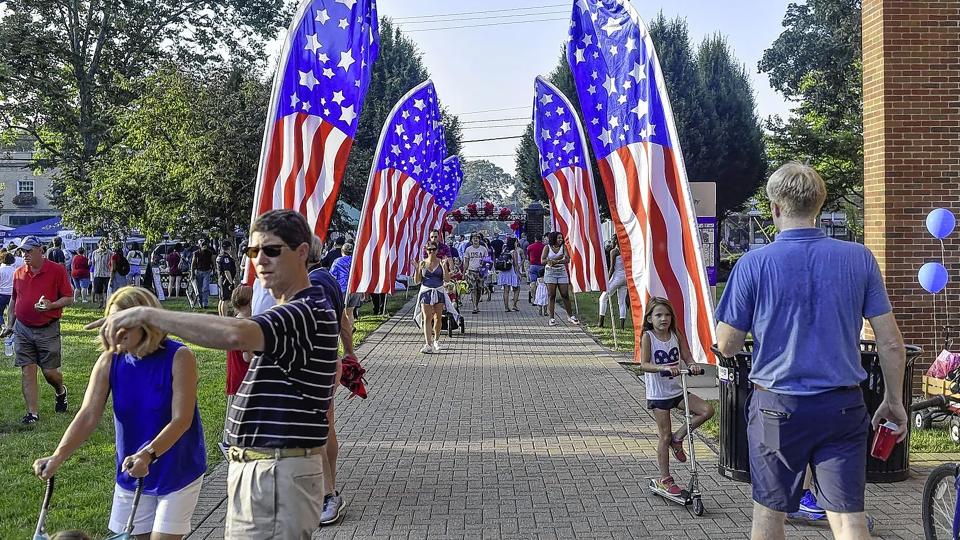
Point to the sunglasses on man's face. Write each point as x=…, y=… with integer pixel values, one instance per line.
x=431, y=249
x=273, y=251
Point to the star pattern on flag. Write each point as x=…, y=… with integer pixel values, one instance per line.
x=560, y=144
x=414, y=140
x=613, y=61
x=450, y=182
x=325, y=73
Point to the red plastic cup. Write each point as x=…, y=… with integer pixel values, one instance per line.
x=883, y=441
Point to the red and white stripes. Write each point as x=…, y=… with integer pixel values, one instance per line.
x=657, y=232
x=573, y=204
x=397, y=217
x=303, y=170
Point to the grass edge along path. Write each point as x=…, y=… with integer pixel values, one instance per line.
x=929, y=441
x=84, y=488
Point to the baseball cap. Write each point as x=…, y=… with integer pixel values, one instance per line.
x=30, y=242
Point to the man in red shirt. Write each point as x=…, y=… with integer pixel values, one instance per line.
x=41, y=289
x=534, y=254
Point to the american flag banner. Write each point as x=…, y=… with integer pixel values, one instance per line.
x=323, y=75
x=452, y=179
x=406, y=193
x=630, y=124
x=568, y=179
x=444, y=193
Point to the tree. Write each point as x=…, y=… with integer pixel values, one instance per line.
x=734, y=155
x=816, y=62
x=399, y=67
x=728, y=150
x=70, y=68
x=484, y=181
x=187, y=161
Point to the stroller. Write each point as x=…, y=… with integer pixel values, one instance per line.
x=456, y=289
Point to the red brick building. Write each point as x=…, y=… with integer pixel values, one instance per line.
x=911, y=117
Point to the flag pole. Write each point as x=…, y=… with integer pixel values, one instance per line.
x=613, y=325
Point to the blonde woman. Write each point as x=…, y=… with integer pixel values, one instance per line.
x=159, y=438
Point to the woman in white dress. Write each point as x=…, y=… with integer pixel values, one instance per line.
x=509, y=278
x=616, y=281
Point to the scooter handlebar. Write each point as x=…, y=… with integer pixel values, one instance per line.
x=668, y=373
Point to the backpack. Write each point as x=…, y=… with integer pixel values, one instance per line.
x=56, y=255
x=122, y=267
x=504, y=262
x=184, y=265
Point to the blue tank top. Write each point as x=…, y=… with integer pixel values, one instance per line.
x=433, y=278
x=142, y=396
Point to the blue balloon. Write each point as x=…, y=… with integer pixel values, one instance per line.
x=933, y=277
x=940, y=222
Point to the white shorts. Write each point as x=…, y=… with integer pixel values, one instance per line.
x=167, y=514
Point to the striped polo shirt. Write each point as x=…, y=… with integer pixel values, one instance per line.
x=283, y=400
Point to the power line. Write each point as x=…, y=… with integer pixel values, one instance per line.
x=494, y=120
x=479, y=25
x=481, y=18
x=489, y=155
x=484, y=11
x=493, y=127
x=493, y=110
x=492, y=139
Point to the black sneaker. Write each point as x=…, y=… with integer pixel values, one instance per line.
x=29, y=418
x=61, y=402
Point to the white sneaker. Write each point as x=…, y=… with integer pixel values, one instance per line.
x=573, y=319
x=553, y=322
x=436, y=346
x=426, y=349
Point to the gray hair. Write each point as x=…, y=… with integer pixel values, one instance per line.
x=797, y=189
x=316, y=251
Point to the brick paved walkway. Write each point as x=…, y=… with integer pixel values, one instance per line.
x=520, y=430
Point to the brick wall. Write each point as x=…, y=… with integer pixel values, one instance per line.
x=911, y=105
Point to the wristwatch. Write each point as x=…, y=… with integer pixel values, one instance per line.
x=152, y=453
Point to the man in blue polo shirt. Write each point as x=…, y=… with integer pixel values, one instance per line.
x=804, y=298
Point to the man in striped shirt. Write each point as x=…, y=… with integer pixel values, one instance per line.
x=278, y=420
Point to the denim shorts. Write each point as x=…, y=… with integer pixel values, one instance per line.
x=828, y=431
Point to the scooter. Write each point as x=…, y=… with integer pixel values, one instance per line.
x=691, y=495
x=127, y=533
x=41, y=531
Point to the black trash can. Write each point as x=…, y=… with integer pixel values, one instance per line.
x=735, y=389
x=897, y=467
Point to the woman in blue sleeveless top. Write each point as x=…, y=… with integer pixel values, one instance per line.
x=431, y=274
x=159, y=438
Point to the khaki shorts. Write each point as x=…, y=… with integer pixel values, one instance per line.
x=40, y=346
x=275, y=498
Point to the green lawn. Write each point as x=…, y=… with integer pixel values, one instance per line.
x=85, y=482
x=589, y=305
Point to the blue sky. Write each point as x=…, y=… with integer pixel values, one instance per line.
x=493, y=66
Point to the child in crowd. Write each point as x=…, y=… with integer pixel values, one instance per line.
x=237, y=361
x=541, y=297
x=664, y=350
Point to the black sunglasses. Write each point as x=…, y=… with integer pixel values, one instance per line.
x=272, y=251
x=431, y=249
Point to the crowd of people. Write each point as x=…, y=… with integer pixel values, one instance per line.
x=283, y=363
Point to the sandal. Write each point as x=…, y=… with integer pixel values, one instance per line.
x=677, y=447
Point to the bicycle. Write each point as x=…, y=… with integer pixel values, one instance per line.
x=940, y=506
